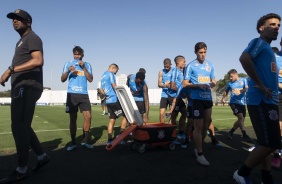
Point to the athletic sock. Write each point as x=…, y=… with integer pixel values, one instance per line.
x=22, y=170
x=244, y=133
x=86, y=136
x=200, y=154
x=104, y=112
x=266, y=176
x=40, y=157
x=110, y=136
x=232, y=130
x=73, y=139
x=121, y=130
x=244, y=171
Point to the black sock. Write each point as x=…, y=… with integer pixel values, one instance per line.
x=181, y=132
x=232, y=130
x=201, y=153
x=244, y=133
x=86, y=135
x=266, y=176
x=73, y=139
x=121, y=130
x=110, y=137
x=244, y=171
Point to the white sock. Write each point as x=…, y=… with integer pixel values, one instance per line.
x=22, y=170
x=40, y=157
x=104, y=112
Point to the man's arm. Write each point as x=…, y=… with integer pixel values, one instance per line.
x=35, y=61
x=160, y=80
x=188, y=84
x=88, y=76
x=248, y=66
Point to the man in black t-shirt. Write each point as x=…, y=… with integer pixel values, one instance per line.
x=27, y=86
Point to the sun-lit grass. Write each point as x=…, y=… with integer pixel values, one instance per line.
x=51, y=124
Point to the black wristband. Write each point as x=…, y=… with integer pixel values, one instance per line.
x=11, y=68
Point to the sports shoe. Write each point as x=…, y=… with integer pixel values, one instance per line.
x=185, y=144
x=41, y=163
x=202, y=160
x=276, y=162
x=181, y=138
x=121, y=142
x=250, y=149
x=71, y=147
x=241, y=179
x=229, y=135
x=215, y=142
x=103, y=114
x=108, y=142
x=176, y=141
x=247, y=138
x=87, y=145
x=280, y=152
x=15, y=176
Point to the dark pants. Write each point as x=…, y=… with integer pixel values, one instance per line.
x=22, y=110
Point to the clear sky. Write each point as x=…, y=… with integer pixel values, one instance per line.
x=135, y=33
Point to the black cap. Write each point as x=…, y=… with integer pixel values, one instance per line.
x=19, y=13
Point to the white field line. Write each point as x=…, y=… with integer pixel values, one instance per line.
x=56, y=130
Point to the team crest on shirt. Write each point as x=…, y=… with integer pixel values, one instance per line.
x=161, y=134
x=208, y=68
x=196, y=113
x=273, y=115
x=236, y=111
x=274, y=67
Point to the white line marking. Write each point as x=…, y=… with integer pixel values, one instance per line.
x=55, y=130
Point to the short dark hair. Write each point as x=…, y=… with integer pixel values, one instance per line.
x=140, y=75
x=167, y=61
x=177, y=58
x=200, y=45
x=232, y=71
x=78, y=49
x=142, y=70
x=115, y=65
x=264, y=18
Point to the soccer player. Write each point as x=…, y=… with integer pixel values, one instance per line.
x=259, y=62
x=139, y=90
x=238, y=87
x=108, y=85
x=276, y=160
x=164, y=82
x=199, y=76
x=175, y=83
x=78, y=72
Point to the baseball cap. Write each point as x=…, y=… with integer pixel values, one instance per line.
x=19, y=13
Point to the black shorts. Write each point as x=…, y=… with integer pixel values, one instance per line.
x=141, y=106
x=199, y=106
x=114, y=110
x=265, y=120
x=237, y=109
x=189, y=113
x=280, y=107
x=77, y=100
x=165, y=102
x=179, y=105
x=103, y=102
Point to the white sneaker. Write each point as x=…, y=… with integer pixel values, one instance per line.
x=240, y=179
x=202, y=160
x=251, y=148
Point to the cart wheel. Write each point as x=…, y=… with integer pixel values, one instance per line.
x=142, y=148
x=134, y=145
x=172, y=146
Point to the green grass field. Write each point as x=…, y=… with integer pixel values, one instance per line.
x=51, y=124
